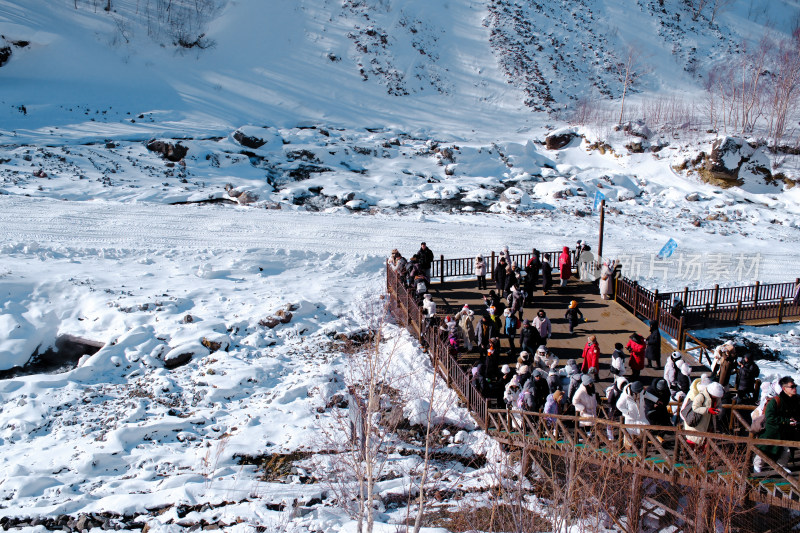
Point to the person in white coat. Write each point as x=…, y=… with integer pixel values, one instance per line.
x=706, y=404
x=585, y=401
x=671, y=370
x=631, y=405
x=607, y=279
x=430, y=308
x=480, y=272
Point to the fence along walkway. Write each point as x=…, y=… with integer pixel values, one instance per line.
x=655, y=452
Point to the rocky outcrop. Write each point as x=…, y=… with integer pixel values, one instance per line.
x=169, y=151
x=559, y=139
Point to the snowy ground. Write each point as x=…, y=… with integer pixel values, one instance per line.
x=103, y=239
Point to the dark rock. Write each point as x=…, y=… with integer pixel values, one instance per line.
x=248, y=141
x=213, y=346
x=5, y=55
x=178, y=359
x=269, y=322
x=558, y=141
x=188, y=319
x=171, y=152
x=284, y=316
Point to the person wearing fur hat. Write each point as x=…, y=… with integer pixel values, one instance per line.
x=585, y=401
x=480, y=272
x=707, y=405
x=573, y=315
x=524, y=359
x=722, y=358
x=636, y=347
x=591, y=354
x=464, y=320
x=450, y=327
x=512, y=393
x=523, y=374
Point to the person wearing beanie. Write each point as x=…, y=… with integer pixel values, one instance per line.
x=631, y=406
x=671, y=370
x=553, y=381
x=618, y=360
x=706, y=406
x=539, y=389
x=656, y=400
x=585, y=401
x=429, y=306
x=573, y=316
x=747, y=372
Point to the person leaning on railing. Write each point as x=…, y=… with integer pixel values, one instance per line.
x=707, y=405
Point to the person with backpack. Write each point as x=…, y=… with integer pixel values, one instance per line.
x=698, y=414
x=671, y=370
x=480, y=272
x=636, y=347
x=781, y=421
x=573, y=316
x=656, y=400
x=420, y=288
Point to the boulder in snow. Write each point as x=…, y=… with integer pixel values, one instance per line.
x=559, y=139
x=183, y=354
x=170, y=152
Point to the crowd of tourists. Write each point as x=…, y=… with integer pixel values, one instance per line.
x=534, y=381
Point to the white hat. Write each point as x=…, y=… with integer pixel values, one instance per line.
x=507, y=312
x=621, y=382
x=675, y=355
x=428, y=296
x=524, y=354
x=506, y=369
x=686, y=368
x=715, y=389
x=541, y=349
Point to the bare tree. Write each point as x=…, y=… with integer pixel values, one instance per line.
x=785, y=88
x=629, y=71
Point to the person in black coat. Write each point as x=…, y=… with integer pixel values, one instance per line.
x=479, y=376
x=746, y=375
x=656, y=400
x=532, y=278
x=425, y=256
x=529, y=338
x=499, y=276
x=539, y=389
x=652, y=351
x=547, y=275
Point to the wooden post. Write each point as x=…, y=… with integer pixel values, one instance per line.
x=738, y=310
x=755, y=293
x=681, y=340
x=716, y=296
x=635, y=296
x=441, y=268
x=707, y=312
x=602, y=224
x=685, y=297
x=657, y=303
x=491, y=273
x=780, y=311
x=616, y=288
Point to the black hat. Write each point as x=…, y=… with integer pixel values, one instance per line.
x=637, y=387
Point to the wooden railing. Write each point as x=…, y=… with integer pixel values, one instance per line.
x=706, y=307
x=442, y=268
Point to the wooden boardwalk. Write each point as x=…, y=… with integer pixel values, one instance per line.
x=632, y=472
x=606, y=319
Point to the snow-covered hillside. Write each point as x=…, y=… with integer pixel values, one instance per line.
x=221, y=181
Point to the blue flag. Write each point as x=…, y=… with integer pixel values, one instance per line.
x=668, y=249
x=598, y=197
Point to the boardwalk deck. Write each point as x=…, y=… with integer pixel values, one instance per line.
x=606, y=319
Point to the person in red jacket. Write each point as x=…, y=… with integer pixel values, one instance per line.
x=636, y=347
x=564, y=266
x=591, y=355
